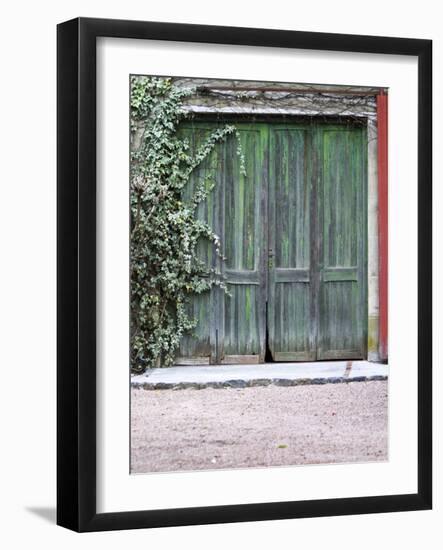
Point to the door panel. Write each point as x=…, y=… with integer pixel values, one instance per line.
x=290, y=320
x=243, y=311
x=342, y=290
x=196, y=347
x=231, y=327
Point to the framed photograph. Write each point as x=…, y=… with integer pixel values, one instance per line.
x=244, y=274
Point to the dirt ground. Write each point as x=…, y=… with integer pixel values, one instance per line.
x=190, y=429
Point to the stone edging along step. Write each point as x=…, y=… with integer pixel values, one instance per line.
x=247, y=376
x=251, y=383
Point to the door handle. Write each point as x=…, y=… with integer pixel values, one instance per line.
x=270, y=258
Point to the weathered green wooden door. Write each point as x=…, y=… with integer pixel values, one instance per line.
x=342, y=235
x=291, y=300
x=198, y=346
x=241, y=331
x=232, y=327
x=317, y=238
x=293, y=232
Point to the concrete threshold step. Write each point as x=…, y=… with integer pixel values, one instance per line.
x=244, y=376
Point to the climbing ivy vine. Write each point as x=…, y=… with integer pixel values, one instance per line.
x=165, y=231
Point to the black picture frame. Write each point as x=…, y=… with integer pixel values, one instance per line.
x=76, y=273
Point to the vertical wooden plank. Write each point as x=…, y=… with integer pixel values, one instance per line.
x=289, y=305
x=219, y=309
x=199, y=345
x=316, y=233
x=244, y=312
x=382, y=144
x=263, y=240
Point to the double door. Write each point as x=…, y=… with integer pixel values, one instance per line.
x=293, y=235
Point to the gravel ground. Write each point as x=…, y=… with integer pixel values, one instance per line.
x=255, y=427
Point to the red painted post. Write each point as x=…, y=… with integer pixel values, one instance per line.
x=382, y=125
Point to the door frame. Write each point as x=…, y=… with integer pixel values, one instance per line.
x=217, y=355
